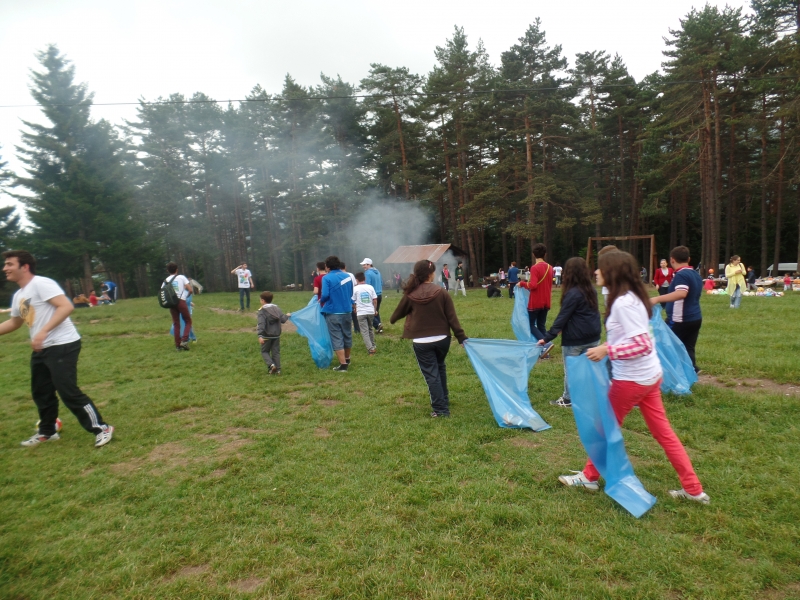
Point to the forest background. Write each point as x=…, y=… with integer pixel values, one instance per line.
x=498, y=156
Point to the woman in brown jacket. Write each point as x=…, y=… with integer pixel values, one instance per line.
x=430, y=315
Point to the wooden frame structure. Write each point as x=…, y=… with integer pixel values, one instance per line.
x=625, y=238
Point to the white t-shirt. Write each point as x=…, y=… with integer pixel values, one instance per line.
x=181, y=285
x=628, y=319
x=557, y=271
x=363, y=295
x=31, y=305
x=244, y=275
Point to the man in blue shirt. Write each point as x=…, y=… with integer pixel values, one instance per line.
x=110, y=288
x=337, y=307
x=513, y=278
x=374, y=279
x=683, y=301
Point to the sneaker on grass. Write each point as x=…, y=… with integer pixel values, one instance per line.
x=40, y=439
x=562, y=402
x=104, y=436
x=273, y=369
x=340, y=368
x=702, y=497
x=547, y=347
x=579, y=480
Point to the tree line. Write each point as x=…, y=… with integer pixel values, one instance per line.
x=704, y=153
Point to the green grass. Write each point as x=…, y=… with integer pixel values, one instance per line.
x=222, y=482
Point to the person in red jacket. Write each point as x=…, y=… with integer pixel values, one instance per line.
x=540, y=286
x=662, y=278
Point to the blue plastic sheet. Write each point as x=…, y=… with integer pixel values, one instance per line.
x=601, y=435
x=679, y=375
x=311, y=325
x=520, y=322
x=503, y=367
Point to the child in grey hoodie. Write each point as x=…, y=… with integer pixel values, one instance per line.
x=270, y=318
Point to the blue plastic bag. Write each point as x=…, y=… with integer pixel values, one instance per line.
x=520, y=322
x=503, y=367
x=601, y=435
x=679, y=375
x=311, y=325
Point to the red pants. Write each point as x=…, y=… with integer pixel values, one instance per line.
x=624, y=395
x=182, y=310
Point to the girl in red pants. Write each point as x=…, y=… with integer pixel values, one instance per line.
x=635, y=371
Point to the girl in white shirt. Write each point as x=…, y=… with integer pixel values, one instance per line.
x=635, y=371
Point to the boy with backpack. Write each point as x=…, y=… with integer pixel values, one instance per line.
x=174, y=291
x=270, y=317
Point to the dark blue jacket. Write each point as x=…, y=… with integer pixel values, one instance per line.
x=337, y=293
x=578, y=323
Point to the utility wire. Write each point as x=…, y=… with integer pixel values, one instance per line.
x=598, y=87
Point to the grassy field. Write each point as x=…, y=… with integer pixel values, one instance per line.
x=223, y=482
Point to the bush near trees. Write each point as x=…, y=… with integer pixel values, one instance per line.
x=534, y=148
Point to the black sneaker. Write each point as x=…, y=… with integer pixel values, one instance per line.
x=563, y=402
x=274, y=369
x=347, y=361
x=340, y=368
x=435, y=415
x=184, y=345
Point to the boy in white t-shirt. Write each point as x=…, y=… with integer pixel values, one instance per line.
x=41, y=304
x=183, y=288
x=365, y=303
x=244, y=279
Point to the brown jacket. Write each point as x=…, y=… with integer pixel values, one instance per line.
x=429, y=311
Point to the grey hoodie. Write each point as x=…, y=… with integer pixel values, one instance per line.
x=270, y=318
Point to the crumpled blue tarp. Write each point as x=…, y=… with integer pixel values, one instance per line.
x=601, y=435
x=520, y=322
x=503, y=367
x=311, y=325
x=679, y=375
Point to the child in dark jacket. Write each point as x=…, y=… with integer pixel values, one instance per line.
x=270, y=318
x=578, y=321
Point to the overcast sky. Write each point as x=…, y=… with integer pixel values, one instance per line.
x=150, y=48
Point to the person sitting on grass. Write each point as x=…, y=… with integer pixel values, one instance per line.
x=365, y=303
x=492, y=291
x=270, y=317
x=430, y=316
x=578, y=321
x=635, y=372
x=93, y=298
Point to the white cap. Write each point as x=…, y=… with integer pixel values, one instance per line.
x=366, y=261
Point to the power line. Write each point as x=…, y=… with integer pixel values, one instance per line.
x=599, y=87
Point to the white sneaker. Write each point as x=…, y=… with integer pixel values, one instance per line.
x=104, y=436
x=40, y=439
x=702, y=497
x=579, y=480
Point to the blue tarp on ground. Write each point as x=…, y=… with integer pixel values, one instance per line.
x=311, y=325
x=520, y=322
x=679, y=375
x=601, y=435
x=503, y=367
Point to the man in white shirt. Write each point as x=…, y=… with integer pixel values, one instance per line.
x=365, y=303
x=41, y=304
x=245, y=280
x=182, y=289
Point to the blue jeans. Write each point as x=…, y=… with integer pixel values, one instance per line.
x=538, y=319
x=242, y=293
x=736, y=299
x=573, y=351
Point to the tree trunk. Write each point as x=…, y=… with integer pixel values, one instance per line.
x=402, y=145
x=764, y=248
x=529, y=171
x=779, y=200
x=449, y=176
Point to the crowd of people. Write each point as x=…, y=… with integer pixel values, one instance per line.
x=351, y=303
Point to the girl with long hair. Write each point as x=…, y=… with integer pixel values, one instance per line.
x=635, y=371
x=430, y=316
x=578, y=320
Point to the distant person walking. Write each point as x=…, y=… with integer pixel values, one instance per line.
x=244, y=279
x=270, y=317
x=683, y=301
x=430, y=316
x=513, y=278
x=460, y=279
x=751, y=280
x=375, y=279
x=41, y=304
x=190, y=304
x=365, y=301
x=735, y=274
x=662, y=278
x=445, y=277
x=557, y=270
x=337, y=306
x=183, y=289
x=317, y=284
x=541, y=289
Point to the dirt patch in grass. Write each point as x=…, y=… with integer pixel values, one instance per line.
x=237, y=330
x=103, y=385
x=403, y=402
x=790, y=591
x=295, y=395
x=169, y=455
x=190, y=571
x=251, y=584
x=523, y=442
x=329, y=402
x=238, y=430
x=358, y=393
x=226, y=311
x=189, y=410
x=218, y=473
x=232, y=447
x=751, y=385
x=321, y=432
x=288, y=327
